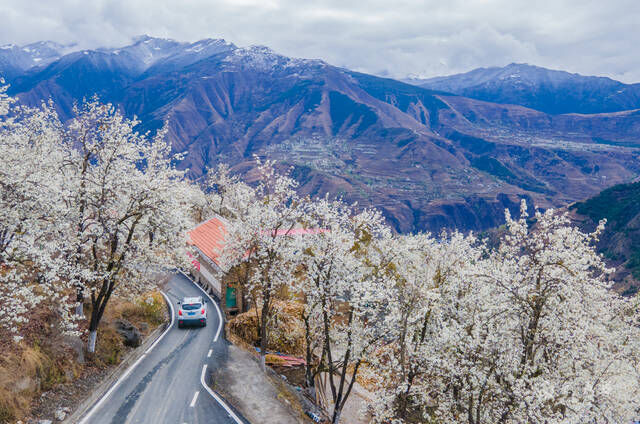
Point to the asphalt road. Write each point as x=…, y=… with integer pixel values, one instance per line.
x=167, y=384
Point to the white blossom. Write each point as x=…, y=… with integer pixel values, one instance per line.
x=260, y=238
x=527, y=332
x=91, y=206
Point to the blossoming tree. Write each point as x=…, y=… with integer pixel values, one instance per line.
x=29, y=230
x=533, y=334
x=425, y=280
x=261, y=239
x=126, y=213
x=344, y=293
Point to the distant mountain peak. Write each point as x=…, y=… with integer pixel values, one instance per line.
x=145, y=38
x=201, y=45
x=257, y=57
x=145, y=51
x=547, y=90
x=264, y=58
x=520, y=65
x=16, y=59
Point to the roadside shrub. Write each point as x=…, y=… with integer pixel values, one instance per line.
x=20, y=378
x=111, y=347
x=286, y=334
x=148, y=310
x=153, y=308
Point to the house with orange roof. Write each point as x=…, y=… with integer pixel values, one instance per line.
x=208, y=240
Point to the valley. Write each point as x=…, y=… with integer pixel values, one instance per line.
x=354, y=212
x=429, y=160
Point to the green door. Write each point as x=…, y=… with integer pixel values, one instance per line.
x=231, y=297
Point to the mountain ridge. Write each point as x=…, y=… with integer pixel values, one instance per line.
x=546, y=90
x=428, y=159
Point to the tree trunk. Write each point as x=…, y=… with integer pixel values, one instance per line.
x=263, y=337
x=263, y=363
x=93, y=327
x=93, y=335
x=98, y=304
x=80, y=300
x=308, y=371
x=264, y=318
x=336, y=415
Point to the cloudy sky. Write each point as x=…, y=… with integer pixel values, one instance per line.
x=393, y=38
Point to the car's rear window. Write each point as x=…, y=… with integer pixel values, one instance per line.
x=191, y=306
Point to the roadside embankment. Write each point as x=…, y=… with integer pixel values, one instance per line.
x=241, y=382
x=49, y=374
x=280, y=389
x=246, y=386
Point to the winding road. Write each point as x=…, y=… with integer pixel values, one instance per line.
x=168, y=382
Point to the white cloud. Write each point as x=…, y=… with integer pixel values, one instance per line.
x=394, y=38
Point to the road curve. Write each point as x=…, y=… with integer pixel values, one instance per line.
x=167, y=384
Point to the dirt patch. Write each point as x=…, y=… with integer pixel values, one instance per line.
x=293, y=375
x=67, y=395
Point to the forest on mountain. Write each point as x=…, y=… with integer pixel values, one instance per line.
x=620, y=242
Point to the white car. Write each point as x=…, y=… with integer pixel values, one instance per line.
x=192, y=311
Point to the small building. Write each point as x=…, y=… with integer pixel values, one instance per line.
x=208, y=240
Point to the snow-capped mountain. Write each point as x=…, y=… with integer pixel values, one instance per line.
x=143, y=53
x=150, y=51
x=426, y=158
x=539, y=88
x=262, y=58
x=147, y=50
x=516, y=73
x=17, y=59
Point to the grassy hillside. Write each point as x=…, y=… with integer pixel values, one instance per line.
x=620, y=243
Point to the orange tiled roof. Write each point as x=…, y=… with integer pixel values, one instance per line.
x=208, y=237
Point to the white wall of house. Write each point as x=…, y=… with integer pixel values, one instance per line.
x=208, y=277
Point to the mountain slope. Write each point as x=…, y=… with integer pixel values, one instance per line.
x=427, y=159
x=620, y=243
x=546, y=90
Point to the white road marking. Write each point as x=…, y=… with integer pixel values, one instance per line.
x=217, y=398
x=215, y=339
x=209, y=354
x=195, y=398
x=131, y=368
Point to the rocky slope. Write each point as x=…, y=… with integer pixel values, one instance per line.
x=429, y=160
